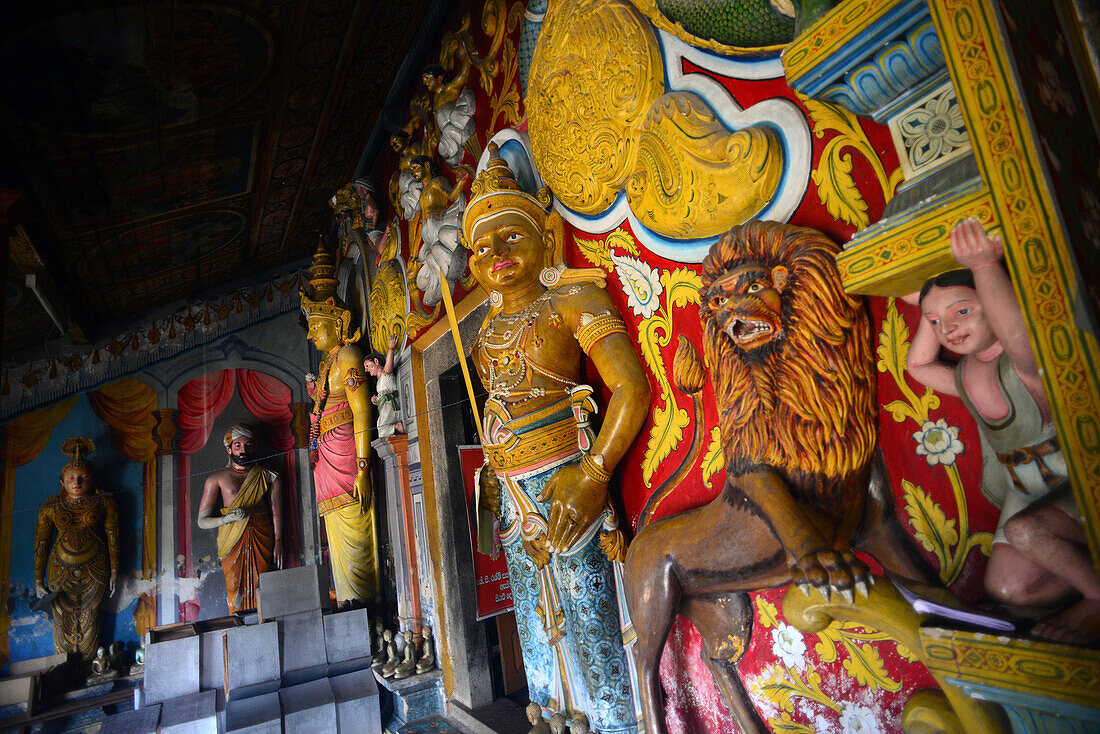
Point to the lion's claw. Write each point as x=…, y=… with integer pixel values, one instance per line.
x=829, y=571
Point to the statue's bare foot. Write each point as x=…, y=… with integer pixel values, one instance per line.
x=1078, y=625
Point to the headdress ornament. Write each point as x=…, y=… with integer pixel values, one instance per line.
x=77, y=447
x=495, y=189
x=324, y=303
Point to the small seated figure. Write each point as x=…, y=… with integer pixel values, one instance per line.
x=392, y=659
x=538, y=724
x=408, y=665
x=557, y=724
x=427, y=653
x=138, y=668
x=379, y=644
x=386, y=396
x=1040, y=560
x=101, y=668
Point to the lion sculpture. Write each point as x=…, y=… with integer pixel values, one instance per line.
x=795, y=384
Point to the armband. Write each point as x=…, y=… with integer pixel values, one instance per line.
x=594, y=328
x=354, y=378
x=594, y=469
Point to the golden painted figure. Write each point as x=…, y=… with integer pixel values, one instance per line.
x=81, y=564
x=340, y=436
x=556, y=521
x=250, y=523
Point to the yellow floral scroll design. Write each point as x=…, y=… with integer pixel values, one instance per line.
x=782, y=683
x=950, y=540
x=713, y=459
x=833, y=174
x=652, y=295
x=501, y=25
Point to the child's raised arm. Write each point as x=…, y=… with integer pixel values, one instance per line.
x=981, y=255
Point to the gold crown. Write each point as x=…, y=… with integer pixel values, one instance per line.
x=495, y=188
x=323, y=303
x=77, y=447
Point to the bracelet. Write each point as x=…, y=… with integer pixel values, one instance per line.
x=363, y=464
x=594, y=468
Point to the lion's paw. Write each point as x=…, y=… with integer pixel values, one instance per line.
x=829, y=571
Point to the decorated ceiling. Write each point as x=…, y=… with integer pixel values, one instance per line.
x=160, y=151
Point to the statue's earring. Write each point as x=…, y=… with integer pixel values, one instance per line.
x=495, y=299
x=550, y=276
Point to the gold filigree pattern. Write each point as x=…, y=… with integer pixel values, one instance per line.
x=601, y=122
x=388, y=304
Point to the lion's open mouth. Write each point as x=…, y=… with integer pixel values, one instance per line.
x=748, y=332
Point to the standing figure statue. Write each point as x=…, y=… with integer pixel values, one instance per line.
x=453, y=106
x=386, y=397
x=404, y=188
x=556, y=523
x=340, y=435
x=80, y=566
x=441, y=206
x=250, y=521
x=1040, y=558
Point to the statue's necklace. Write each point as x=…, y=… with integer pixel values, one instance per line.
x=510, y=367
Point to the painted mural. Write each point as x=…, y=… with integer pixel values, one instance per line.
x=811, y=163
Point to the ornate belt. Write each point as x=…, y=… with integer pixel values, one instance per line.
x=1028, y=454
x=532, y=440
x=336, y=418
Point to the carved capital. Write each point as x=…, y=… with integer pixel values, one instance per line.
x=300, y=424
x=164, y=431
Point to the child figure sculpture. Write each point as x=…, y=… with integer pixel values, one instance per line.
x=1040, y=558
x=386, y=396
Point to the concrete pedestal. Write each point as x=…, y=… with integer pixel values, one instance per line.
x=413, y=699
x=171, y=669
x=302, y=645
x=257, y=715
x=142, y=721
x=309, y=708
x=292, y=591
x=347, y=641
x=252, y=661
x=358, y=708
x=194, y=714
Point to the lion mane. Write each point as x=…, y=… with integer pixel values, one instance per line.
x=805, y=404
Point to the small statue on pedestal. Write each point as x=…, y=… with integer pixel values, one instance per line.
x=557, y=724
x=427, y=654
x=391, y=651
x=579, y=725
x=408, y=666
x=379, y=644
x=101, y=669
x=138, y=668
x=538, y=724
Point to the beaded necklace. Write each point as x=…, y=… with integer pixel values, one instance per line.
x=511, y=367
x=320, y=397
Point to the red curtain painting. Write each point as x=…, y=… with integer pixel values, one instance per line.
x=199, y=403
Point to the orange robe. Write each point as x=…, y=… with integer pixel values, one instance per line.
x=247, y=547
